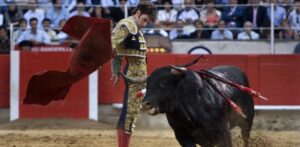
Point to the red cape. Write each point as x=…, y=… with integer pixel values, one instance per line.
x=94, y=49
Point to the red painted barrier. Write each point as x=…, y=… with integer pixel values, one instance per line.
x=279, y=79
x=49, y=48
x=275, y=76
x=75, y=105
x=4, y=80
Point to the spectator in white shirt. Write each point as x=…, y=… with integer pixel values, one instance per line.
x=80, y=10
x=294, y=17
x=44, y=4
x=34, y=35
x=279, y=13
x=109, y=3
x=47, y=28
x=133, y=2
x=221, y=33
x=189, y=14
x=177, y=3
x=248, y=33
x=158, y=31
x=179, y=32
x=69, y=4
x=1, y=19
x=33, y=12
x=61, y=36
x=166, y=18
x=22, y=27
x=56, y=13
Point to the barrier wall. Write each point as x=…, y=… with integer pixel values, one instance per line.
x=275, y=76
x=4, y=80
x=75, y=105
x=236, y=47
x=76, y=102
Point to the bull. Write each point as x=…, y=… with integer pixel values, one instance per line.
x=195, y=109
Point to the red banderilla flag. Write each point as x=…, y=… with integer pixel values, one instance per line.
x=94, y=49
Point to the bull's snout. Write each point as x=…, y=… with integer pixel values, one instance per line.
x=152, y=110
x=146, y=105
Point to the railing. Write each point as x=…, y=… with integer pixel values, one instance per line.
x=126, y=7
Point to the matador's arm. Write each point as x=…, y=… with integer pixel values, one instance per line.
x=118, y=36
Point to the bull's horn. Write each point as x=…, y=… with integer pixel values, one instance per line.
x=134, y=80
x=177, y=70
x=194, y=61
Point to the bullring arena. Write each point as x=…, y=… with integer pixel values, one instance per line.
x=88, y=115
x=79, y=133
x=32, y=125
x=64, y=123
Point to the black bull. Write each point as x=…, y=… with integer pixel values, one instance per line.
x=197, y=113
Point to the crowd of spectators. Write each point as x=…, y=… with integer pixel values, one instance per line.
x=230, y=19
x=40, y=21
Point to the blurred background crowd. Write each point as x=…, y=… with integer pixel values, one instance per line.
x=40, y=21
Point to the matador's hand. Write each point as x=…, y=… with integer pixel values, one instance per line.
x=115, y=79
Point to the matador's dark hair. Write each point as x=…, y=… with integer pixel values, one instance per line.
x=146, y=7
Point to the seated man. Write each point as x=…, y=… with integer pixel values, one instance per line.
x=47, y=28
x=80, y=10
x=21, y=27
x=257, y=15
x=179, y=32
x=36, y=36
x=294, y=18
x=189, y=14
x=57, y=12
x=166, y=18
x=221, y=33
x=248, y=33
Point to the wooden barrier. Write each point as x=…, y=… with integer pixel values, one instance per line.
x=275, y=76
x=77, y=104
x=4, y=80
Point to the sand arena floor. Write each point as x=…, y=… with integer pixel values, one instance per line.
x=82, y=133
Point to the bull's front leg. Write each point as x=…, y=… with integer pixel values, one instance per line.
x=225, y=138
x=184, y=139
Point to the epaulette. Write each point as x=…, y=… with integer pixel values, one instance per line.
x=129, y=24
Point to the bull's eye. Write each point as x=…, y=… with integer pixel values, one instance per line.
x=147, y=103
x=162, y=85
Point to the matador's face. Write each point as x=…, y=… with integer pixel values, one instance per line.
x=141, y=19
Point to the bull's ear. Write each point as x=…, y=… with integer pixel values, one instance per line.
x=178, y=70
